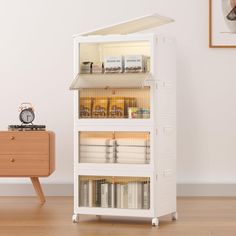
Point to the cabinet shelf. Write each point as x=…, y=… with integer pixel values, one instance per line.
x=140, y=123
x=115, y=211
x=116, y=168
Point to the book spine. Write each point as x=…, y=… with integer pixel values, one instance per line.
x=118, y=196
x=90, y=193
x=146, y=195
x=104, y=195
x=130, y=195
x=85, y=194
x=125, y=197
x=81, y=193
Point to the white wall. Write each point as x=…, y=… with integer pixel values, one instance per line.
x=36, y=66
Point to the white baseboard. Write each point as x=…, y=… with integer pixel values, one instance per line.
x=183, y=190
x=28, y=190
x=206, y=190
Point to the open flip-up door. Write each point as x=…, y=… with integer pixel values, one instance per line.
x=131, y=80
x=132, y=26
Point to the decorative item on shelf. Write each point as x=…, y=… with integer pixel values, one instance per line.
x=26, y=117
x=97, y=67
x=138, y=113
x=86, y=104
x=86, y=67
x=113, y=64
x=116, y=107
x=134, y=63
x=129, y=102
x=100, y=107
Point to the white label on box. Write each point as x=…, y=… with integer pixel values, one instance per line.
x=134, y=63
x=113, y=64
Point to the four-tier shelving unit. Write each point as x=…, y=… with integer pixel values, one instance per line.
x=155, y=89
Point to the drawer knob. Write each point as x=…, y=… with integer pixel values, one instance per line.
x=12, y=137
x=12, y=160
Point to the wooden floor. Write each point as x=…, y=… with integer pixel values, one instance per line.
x=23, y=216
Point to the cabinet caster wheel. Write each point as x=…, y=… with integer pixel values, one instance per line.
x=174, y=216
x=75, y=218
x=155, y=222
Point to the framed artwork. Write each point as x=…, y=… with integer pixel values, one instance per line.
x=222, y=23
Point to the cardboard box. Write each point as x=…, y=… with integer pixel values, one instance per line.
x=117, y=107
x=134, y=63
x=113, y=64
x=85, y=107
x=100, y=107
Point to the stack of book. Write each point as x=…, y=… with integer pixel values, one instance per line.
x=97, y=150
x=106, y=194
x=134, y=151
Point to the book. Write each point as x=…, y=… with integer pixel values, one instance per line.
x=139, y=194
x=90, y=193
x=118, y=195
x=132, y=142
x=146, y=195
x=124, y=196
x=104, y=195
x=85, y=194
x=96, y=149
x=94, y=141
x=113, y=195
x=132, y=149
x=130, y=195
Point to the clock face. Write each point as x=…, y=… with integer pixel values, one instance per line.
x=27, y=116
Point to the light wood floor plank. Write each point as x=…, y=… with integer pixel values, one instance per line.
x=24, y=216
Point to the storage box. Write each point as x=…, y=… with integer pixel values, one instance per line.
x=97, y=67
x=85, y=67
x=129, y=102
x=117, y=107
x=134, y=63
x=100, y=106
x=85, y=107
x=113, y=64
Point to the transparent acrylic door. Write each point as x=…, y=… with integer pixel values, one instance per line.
x=114, y=147
x=114, y=192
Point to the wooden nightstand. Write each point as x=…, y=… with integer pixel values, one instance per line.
x=27, y=154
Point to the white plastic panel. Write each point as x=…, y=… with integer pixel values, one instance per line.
x=128, y=80
x=132, y=26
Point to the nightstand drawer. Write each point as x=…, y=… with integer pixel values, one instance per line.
x=24, y=143
x=24, y=165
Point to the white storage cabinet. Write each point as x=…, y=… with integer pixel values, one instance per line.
x=124, y=166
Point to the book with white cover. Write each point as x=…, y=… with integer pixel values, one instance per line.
x=139, y=194
x=130, y=195
x=146, y=195
x=124, y=196
x=95, y=155
x=94, y=141
x=132, y=155
x=133, y=149
x=113, y=195
x=131, y=142
x=85, y=194
x=118, y=195
x=97, y=149
x=90, y=192
x=81, y=193
x=104, y=195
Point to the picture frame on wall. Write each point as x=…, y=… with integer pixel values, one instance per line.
x=222, y=23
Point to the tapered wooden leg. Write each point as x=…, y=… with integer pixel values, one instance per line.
x=38, y=189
